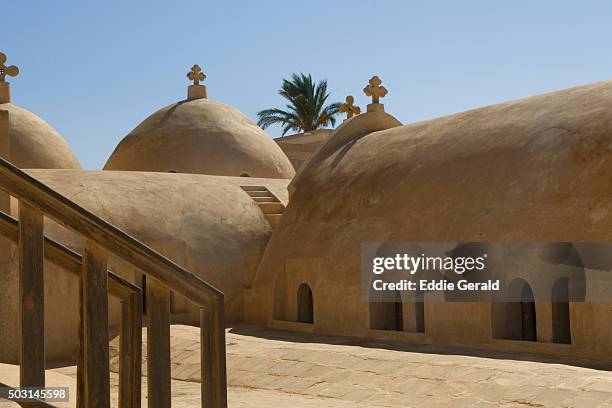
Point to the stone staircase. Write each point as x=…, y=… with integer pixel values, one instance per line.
x=267, y=202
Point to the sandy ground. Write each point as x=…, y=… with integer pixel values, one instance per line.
x=278, y=369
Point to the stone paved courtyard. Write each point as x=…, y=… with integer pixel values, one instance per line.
x=278, y=369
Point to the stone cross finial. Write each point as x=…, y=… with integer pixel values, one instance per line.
x=349, y=108
x=5, y=90
x=196, y=75
x=374, y=89
x=196, y=91
x=4, y=70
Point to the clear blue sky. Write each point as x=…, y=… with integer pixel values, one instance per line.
x=94, y=70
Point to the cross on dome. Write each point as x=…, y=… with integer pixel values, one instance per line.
x=5, y=87
x=196, y=75
x=4, y=70
x=349, y=108
x=196, y=91
x=374, y=89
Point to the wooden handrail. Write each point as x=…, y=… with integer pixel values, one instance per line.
x=130, y=335
x=100, y=239
x=67, y=259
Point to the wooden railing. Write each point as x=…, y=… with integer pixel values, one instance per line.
x=130, y=335
x=101, y=239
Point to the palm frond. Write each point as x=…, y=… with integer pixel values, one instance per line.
x=306, y=109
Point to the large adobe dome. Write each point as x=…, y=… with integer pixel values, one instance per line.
x=36, y=145
x=203, y=137
x=532, y=170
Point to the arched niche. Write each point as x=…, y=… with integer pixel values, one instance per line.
x=305, y=306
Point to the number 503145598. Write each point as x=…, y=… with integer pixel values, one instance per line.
x=49, y=394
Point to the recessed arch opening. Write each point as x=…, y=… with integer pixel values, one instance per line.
x=387, y=315
x=562, y=332
x=515, y=320
x=305, y=309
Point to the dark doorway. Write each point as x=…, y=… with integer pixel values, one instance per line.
x=514, y=317
x=528, y=314
x=419, y=306
x=305, y=304
x=562, y=332
x=399, y=316
x=387, y=315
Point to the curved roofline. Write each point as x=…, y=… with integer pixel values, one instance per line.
x=200, y=136
x=349, y=131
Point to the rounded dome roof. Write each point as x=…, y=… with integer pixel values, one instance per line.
x=531, y=170
x=203, y=137
x=212, y=226
x=35, y=144
x=535, y=169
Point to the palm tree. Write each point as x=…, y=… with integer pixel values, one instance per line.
x=306, y=110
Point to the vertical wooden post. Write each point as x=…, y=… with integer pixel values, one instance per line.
x=217, y=355
x=80, y=397
x=158, y=344
x=136, y=359
x=130, y=351
x=125, y=334
x=206, y=328
x=94, y=340
x=31, y=292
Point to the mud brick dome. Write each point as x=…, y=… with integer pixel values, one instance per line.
x=201, y=136
x=35, y=144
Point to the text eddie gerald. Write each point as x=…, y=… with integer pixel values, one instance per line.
x=413, y=264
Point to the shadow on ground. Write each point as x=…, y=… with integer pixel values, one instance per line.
x=295, y=337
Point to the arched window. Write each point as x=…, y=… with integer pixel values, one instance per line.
x=305, y=304
x=560, y=312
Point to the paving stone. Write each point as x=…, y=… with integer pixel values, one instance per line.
x=554, y=398
x=591, y=399
x=317, y=388
x=359, y=394
x=337, y=390
x=279, y=369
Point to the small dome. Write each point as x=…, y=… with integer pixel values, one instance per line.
x=36, y=145
x=201, y=136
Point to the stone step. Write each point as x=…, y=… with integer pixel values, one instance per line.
x=271, y=207
x=265, y=199
x=265, y=193
x=254, y=188
x=274, y=219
